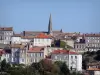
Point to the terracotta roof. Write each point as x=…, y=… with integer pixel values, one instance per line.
x=42, y=35
x=63, y=52
x=2, y=52
x=93, y=69
x=6, y=28
x=35, y=49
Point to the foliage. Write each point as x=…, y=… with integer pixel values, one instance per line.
x=97, y=57
x=44, y=67
x=62, y=44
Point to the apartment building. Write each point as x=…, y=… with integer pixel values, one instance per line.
x=42, y=40
x=92, y=42
x=5, y=34
x=72, y=59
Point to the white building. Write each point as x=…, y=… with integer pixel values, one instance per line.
x=42, y=40
x=18, y=39
x=72, y=59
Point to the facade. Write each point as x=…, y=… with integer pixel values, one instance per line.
x=16, y=39
x=93, y=68
x=49, y=50
x=15, y=53
x=79, y=47
x=92, y=42
x=31, y=55
x=72, y=59
x=5, y=34
x=42, y=40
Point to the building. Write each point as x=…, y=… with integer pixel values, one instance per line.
x=92, y=42
x=93, y=68
x=50, y=30
x=29, y=55
x=72, y=59
x=5, y=34
x=15, y=52
x=49, y=50
x=42, y=40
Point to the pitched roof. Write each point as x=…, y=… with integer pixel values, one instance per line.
x=35, y=49
x=42, y=35
x=17, y=46
x=27, y=37
x=92, y=35
x=93, y=69
x=1, y=52
x=6, y=28
x=2, y=46
x=63, y=52
x=17, y=35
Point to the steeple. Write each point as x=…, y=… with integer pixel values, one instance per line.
x=61, y=30
x=50, y=25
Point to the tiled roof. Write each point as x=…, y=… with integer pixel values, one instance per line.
x=6, y=28
x=93, y=64
x=63, y=52
x=35, y=49
x=92, y=35
x=27, y=37
x=1, y=52
x=56, y=31
x=17, y=35
x=42, y=35
x=17, y=46
x=93, y=69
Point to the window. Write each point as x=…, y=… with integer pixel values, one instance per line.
x=75, y=57
x=41, y=55
x=22, y=60
x=35, y=54
x=55, y=57
x=71, y=57
x=65, y=57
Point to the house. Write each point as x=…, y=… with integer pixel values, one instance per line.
x=16, y=39
x=5, y=52
x=19, y=39
x=72, y=59
x=15, y=52
x=92, y=41
x=93, y=68
x=42, y=40
x=49, y=50
x=31, y=55
x=5, y=34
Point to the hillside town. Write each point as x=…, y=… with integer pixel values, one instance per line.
x=29, y=47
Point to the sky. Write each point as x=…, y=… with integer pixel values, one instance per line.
x=68, y=15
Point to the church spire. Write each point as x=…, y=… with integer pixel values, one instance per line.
x=50, y=25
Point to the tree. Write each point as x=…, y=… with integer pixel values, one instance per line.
x=97, y=57
x=3, y=65
x=63, y=68
x=62, y=44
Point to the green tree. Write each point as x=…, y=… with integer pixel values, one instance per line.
x=62, y=44
x=63, y=68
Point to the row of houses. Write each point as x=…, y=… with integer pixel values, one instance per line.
x=38, y=48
